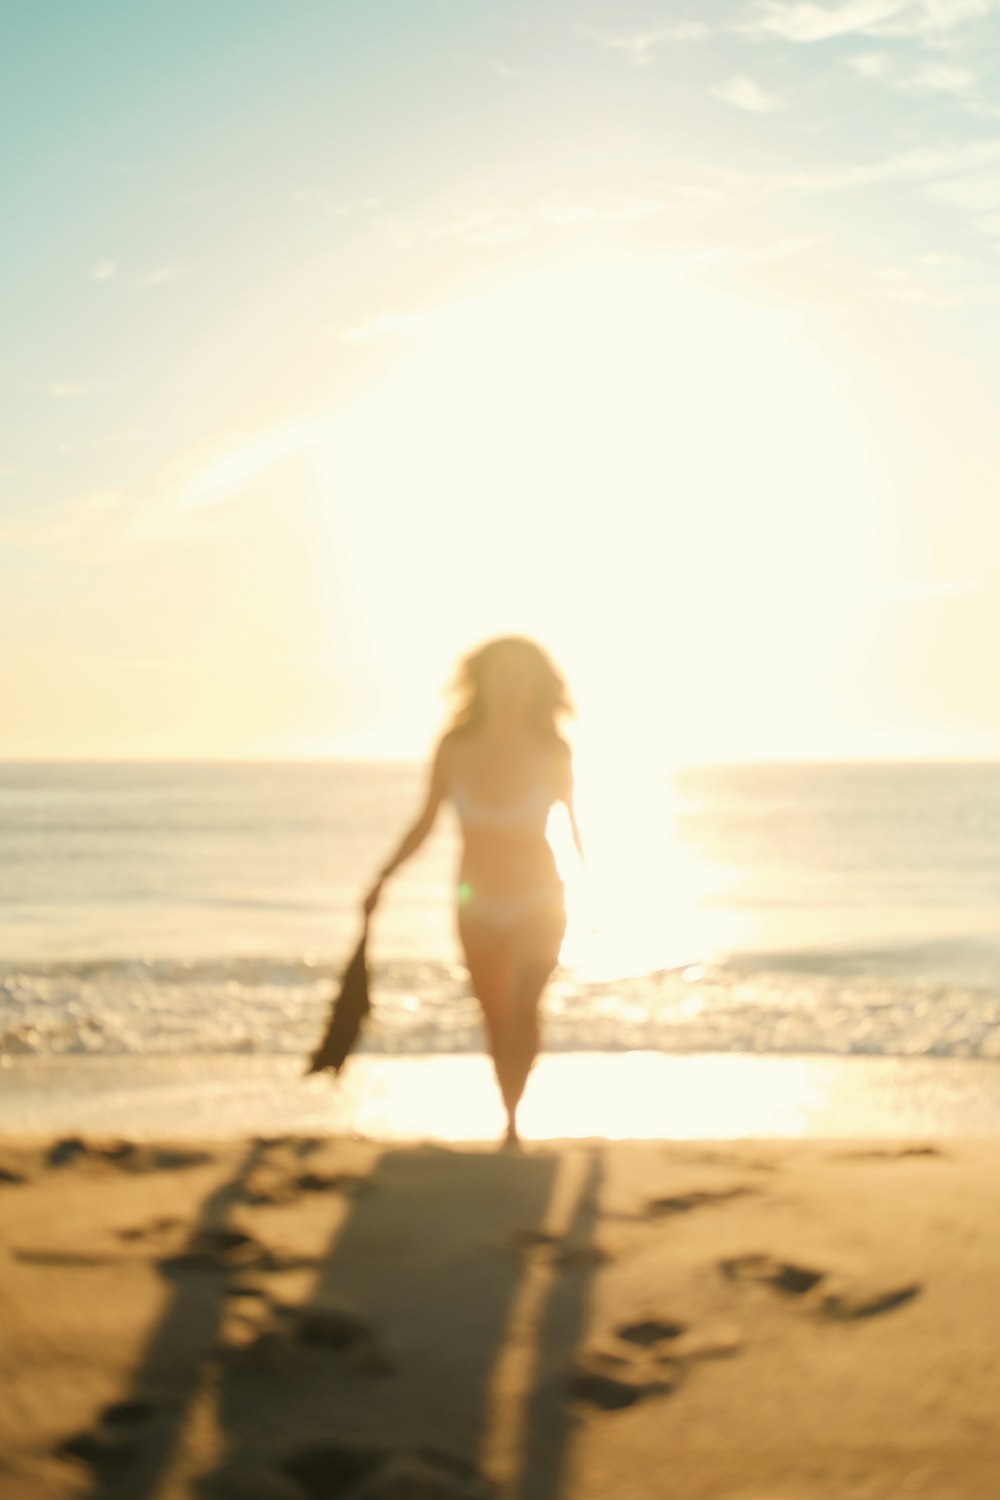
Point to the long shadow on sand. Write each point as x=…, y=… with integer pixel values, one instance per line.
x=544, y=1450
x=437, y=1328
x=424, y=1290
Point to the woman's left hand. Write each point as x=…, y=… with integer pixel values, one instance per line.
x=371, y=900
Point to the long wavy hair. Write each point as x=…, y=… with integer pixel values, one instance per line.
x=550, y=699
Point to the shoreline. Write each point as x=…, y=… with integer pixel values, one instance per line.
x=451, y=1098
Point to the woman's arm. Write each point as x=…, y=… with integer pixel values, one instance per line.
x=415, y=835
x=565, y=794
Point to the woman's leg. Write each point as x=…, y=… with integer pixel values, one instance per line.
x=508, y=969
x=492, y=974
x=535, y=942
x=518, y=1041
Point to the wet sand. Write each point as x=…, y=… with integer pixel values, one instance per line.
x=453, y=1097
x=304, y=1318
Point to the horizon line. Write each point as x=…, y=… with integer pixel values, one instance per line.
x=918, y=758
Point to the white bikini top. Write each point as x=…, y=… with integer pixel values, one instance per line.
x=529, y=811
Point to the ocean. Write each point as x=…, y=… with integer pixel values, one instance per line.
x=154, y=915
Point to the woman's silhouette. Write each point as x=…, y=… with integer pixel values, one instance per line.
x=504, y=764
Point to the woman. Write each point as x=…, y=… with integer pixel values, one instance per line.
x=503, y=764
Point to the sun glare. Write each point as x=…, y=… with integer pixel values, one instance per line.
x=665, y=485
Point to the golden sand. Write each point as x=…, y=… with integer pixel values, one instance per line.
x=307, y=1318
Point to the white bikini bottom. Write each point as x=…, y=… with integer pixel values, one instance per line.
x=504, y=912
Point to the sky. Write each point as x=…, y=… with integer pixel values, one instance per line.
x=337, y=336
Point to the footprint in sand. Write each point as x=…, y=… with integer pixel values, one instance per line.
x=273, y=1334
x=115, y=1436
x=333, y=1182
x=66, y=1258
x=10, y=1178
x=228, y=1249
x=768, y=1270
x=680, y=1203
x=865, y=1299
x=343, y=1330
x=223, y=1249
x=890, y=1153
x=302, y=1145
x=649, y=1331
x=674, y=1341
x=337, y=1328
x=613, y=1381
x=842, y=1298
x=159, y=1158
x=384, y=1473
x=69, y=1149
x=683, y=1203
x=700, y=1157
x=651, y=1357
x=637, y=1365
x=156, y=1229
x=270, y=1185
x=717, y=1341
x=126, y=1155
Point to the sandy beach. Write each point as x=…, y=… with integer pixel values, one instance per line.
x=303, y=1318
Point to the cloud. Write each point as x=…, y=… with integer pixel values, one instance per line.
x=486, y=227
x=920, y=164
x=233, y=470
x=641, y=47
x=158, y=276
x=384, y=327
x=873, y=65
x=934, y=20
x=607, y=209
x=64, y=389
x=965, y=177
x=941, y=77
x=946, y=78
x=109, y=269
x=745, y=93
x=499, y=225
x=928, y=20
x=816, y=23
x=923, y=164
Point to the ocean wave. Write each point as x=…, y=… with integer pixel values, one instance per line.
x=932, y=1000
